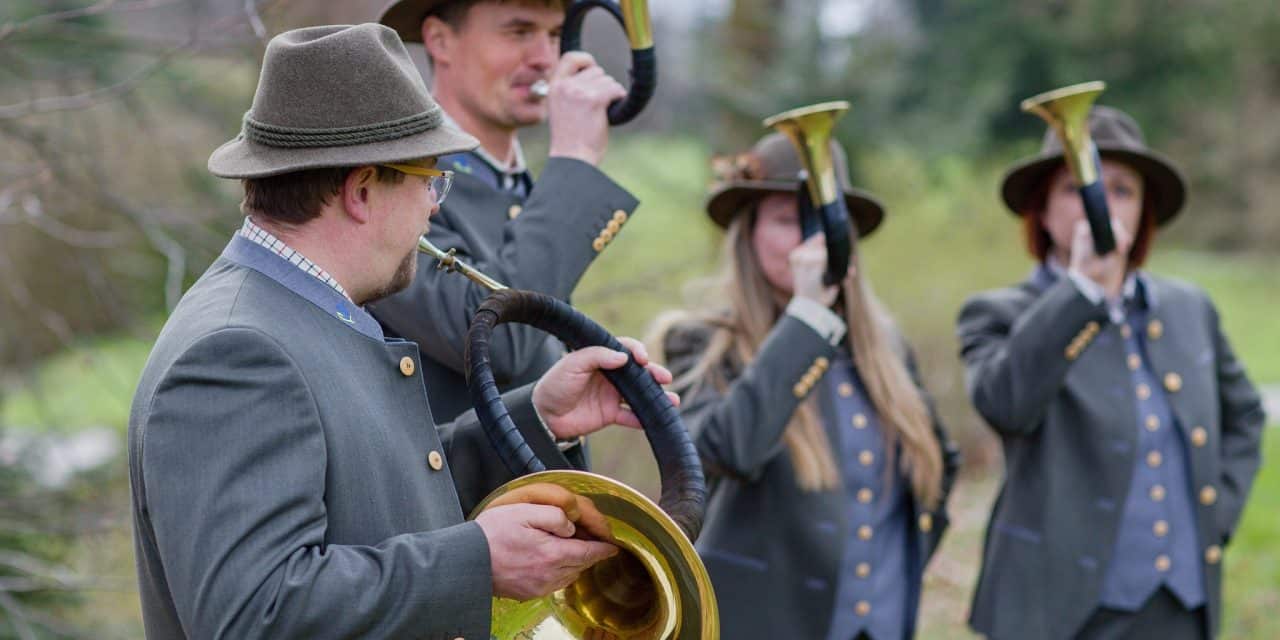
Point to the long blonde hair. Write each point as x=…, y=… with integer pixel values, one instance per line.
x=753, y=309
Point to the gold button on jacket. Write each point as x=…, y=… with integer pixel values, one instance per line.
x=1213, y=554
x=1208, y=496
x=435, y=460
x=407, y=366
x=926, y=522
x=1199, y=436
x=1155, y=329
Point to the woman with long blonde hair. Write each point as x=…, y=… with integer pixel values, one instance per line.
x=827, y=465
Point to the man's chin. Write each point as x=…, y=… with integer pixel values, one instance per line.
x=529, y=114
x=400, y=281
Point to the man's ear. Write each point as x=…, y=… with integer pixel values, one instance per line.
x=357, y=193
x=438, y=38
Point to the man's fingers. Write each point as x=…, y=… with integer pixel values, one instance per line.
x=625, y=417
x=544, y=493
x=637, y=350
x=571, y=63
x=545, y=518
x=659, y=373
x=591, y=522
x=580, y=554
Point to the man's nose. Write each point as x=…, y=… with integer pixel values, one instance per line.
x=543, y=52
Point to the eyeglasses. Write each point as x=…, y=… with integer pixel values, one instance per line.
x=438, y=181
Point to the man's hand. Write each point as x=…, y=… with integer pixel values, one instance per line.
x=580, y=510
x=580, y=96
x=532, y=551
x=575, y=399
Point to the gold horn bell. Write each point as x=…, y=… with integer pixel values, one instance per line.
x=656, y=588
x=1066, y=110
x=809, y=129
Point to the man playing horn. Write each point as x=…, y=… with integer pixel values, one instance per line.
x=496, y=68
x=287, y=479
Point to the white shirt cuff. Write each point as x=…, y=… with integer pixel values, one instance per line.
x=563, y=445
x=824, y=321
x=1094, y=293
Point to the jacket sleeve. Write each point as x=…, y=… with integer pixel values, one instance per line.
x=1015, y=356
x=233, y=476
x=477, y=470
x=1242, y=421
x=546, y=249
x=739, y=431
x=951, y=458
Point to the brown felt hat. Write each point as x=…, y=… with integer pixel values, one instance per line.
x=406, y=16
x=771, y=166
x=1117, y=136
x=337, y=96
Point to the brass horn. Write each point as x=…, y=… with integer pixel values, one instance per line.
x=810, y=129
x=633, y=15
x=657, y=588
x=1067, y=112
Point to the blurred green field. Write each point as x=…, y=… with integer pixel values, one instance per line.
x=945, y=237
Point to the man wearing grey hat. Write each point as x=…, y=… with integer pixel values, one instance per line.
x=489, y=58
x=287, y=478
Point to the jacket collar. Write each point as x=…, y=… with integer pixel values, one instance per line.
x=246, y=253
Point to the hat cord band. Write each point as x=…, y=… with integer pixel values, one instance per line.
x=300, y=137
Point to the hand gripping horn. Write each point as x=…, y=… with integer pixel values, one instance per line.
x=633, y=15
x=809, y=129
x=1067, y=112
x=657, y=588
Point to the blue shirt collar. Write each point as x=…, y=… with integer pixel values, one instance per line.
x=245, y=253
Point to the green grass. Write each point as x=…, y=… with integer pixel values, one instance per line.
x=1244, y=290
x=1251, y=591
x=90, y=384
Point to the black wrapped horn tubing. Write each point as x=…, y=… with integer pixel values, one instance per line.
x=683, y=485
x=644, y=62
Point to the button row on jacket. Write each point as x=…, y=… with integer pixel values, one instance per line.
x=1082, y=340
x=610, y=231
x=811, y=377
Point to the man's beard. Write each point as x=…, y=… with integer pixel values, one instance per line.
x=400, y=281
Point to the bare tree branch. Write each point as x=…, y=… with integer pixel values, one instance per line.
x=255, y=20
x=17, y=617
x=95, y=96
x=98, y=8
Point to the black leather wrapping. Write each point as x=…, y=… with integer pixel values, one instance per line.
x=683, y=485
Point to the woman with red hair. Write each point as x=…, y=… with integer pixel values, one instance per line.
x=1130, y=430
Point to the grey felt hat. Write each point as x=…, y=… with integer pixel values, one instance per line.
x=336, y=96
x=1117, y=136
x=773, y=165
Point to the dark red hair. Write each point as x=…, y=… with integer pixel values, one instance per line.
x=1039, y=243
